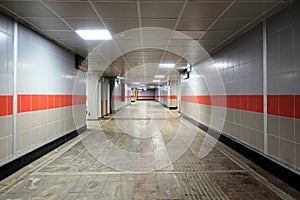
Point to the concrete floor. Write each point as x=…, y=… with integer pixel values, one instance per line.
x=144, y=152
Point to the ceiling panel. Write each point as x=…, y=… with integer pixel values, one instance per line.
x=49, y=23
x=204, y=10
x=193, y=25
x=63, y=35
x=193, y=34
x=217, y=35
x=75, y=43
x=163, y=23
x=159, y=1
x=247, y=9
x=28, y=9
x=75, y=10
x=211, y=21
x=85, y=23
x=229, y=24
x=158, y=10
x=130, y=1
x=209, y=44
x=117, y=10
x=120, y=25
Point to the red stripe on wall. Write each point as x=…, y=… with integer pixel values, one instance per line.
x=119, y=97
x=284, y=105
x=280, y=105
x=297, y=106
x=116, y=98
x=34, y=102
x=6, y=102
x=168, y=97
x=252, y=103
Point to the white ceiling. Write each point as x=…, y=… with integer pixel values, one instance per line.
x=211, y=23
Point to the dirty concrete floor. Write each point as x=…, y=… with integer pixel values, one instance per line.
x=143, y=152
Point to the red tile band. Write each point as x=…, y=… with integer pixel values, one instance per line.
x=6, y=107
x=114, y=98
x=146, y=97
x=280, y=105
x=168, y=97
x=29, y=102
x=284, y=105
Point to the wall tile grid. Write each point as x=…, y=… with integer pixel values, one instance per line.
x=283, y=38
x=167, y=94
x=50, y=104
x=117, y=103
x=94, y=87
x=6, y=87
x=240, y=65
x=164, y=92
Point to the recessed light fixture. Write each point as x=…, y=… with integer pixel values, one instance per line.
x=136, y=83
x=166, y=65
x=159, y=76
x=94, y=34
x=156, y=81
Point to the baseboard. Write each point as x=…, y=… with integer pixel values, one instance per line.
x=15, y=165
x=286, y=175
x=170, y=108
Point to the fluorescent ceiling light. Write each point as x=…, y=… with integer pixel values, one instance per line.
x=159, y=76
x=94, y=34
x=136, y=83
x=166, y=65
x=221, y=65
x=156, y=81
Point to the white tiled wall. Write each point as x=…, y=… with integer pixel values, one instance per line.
x=240, y=65
x=6, y=84
x=43, y=68
x=284, y=79
x=166, y=93
x=117, y=104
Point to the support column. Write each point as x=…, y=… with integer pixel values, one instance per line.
x=265, y=87
x=92, y=85
x=99, y=100
x=108, y=98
